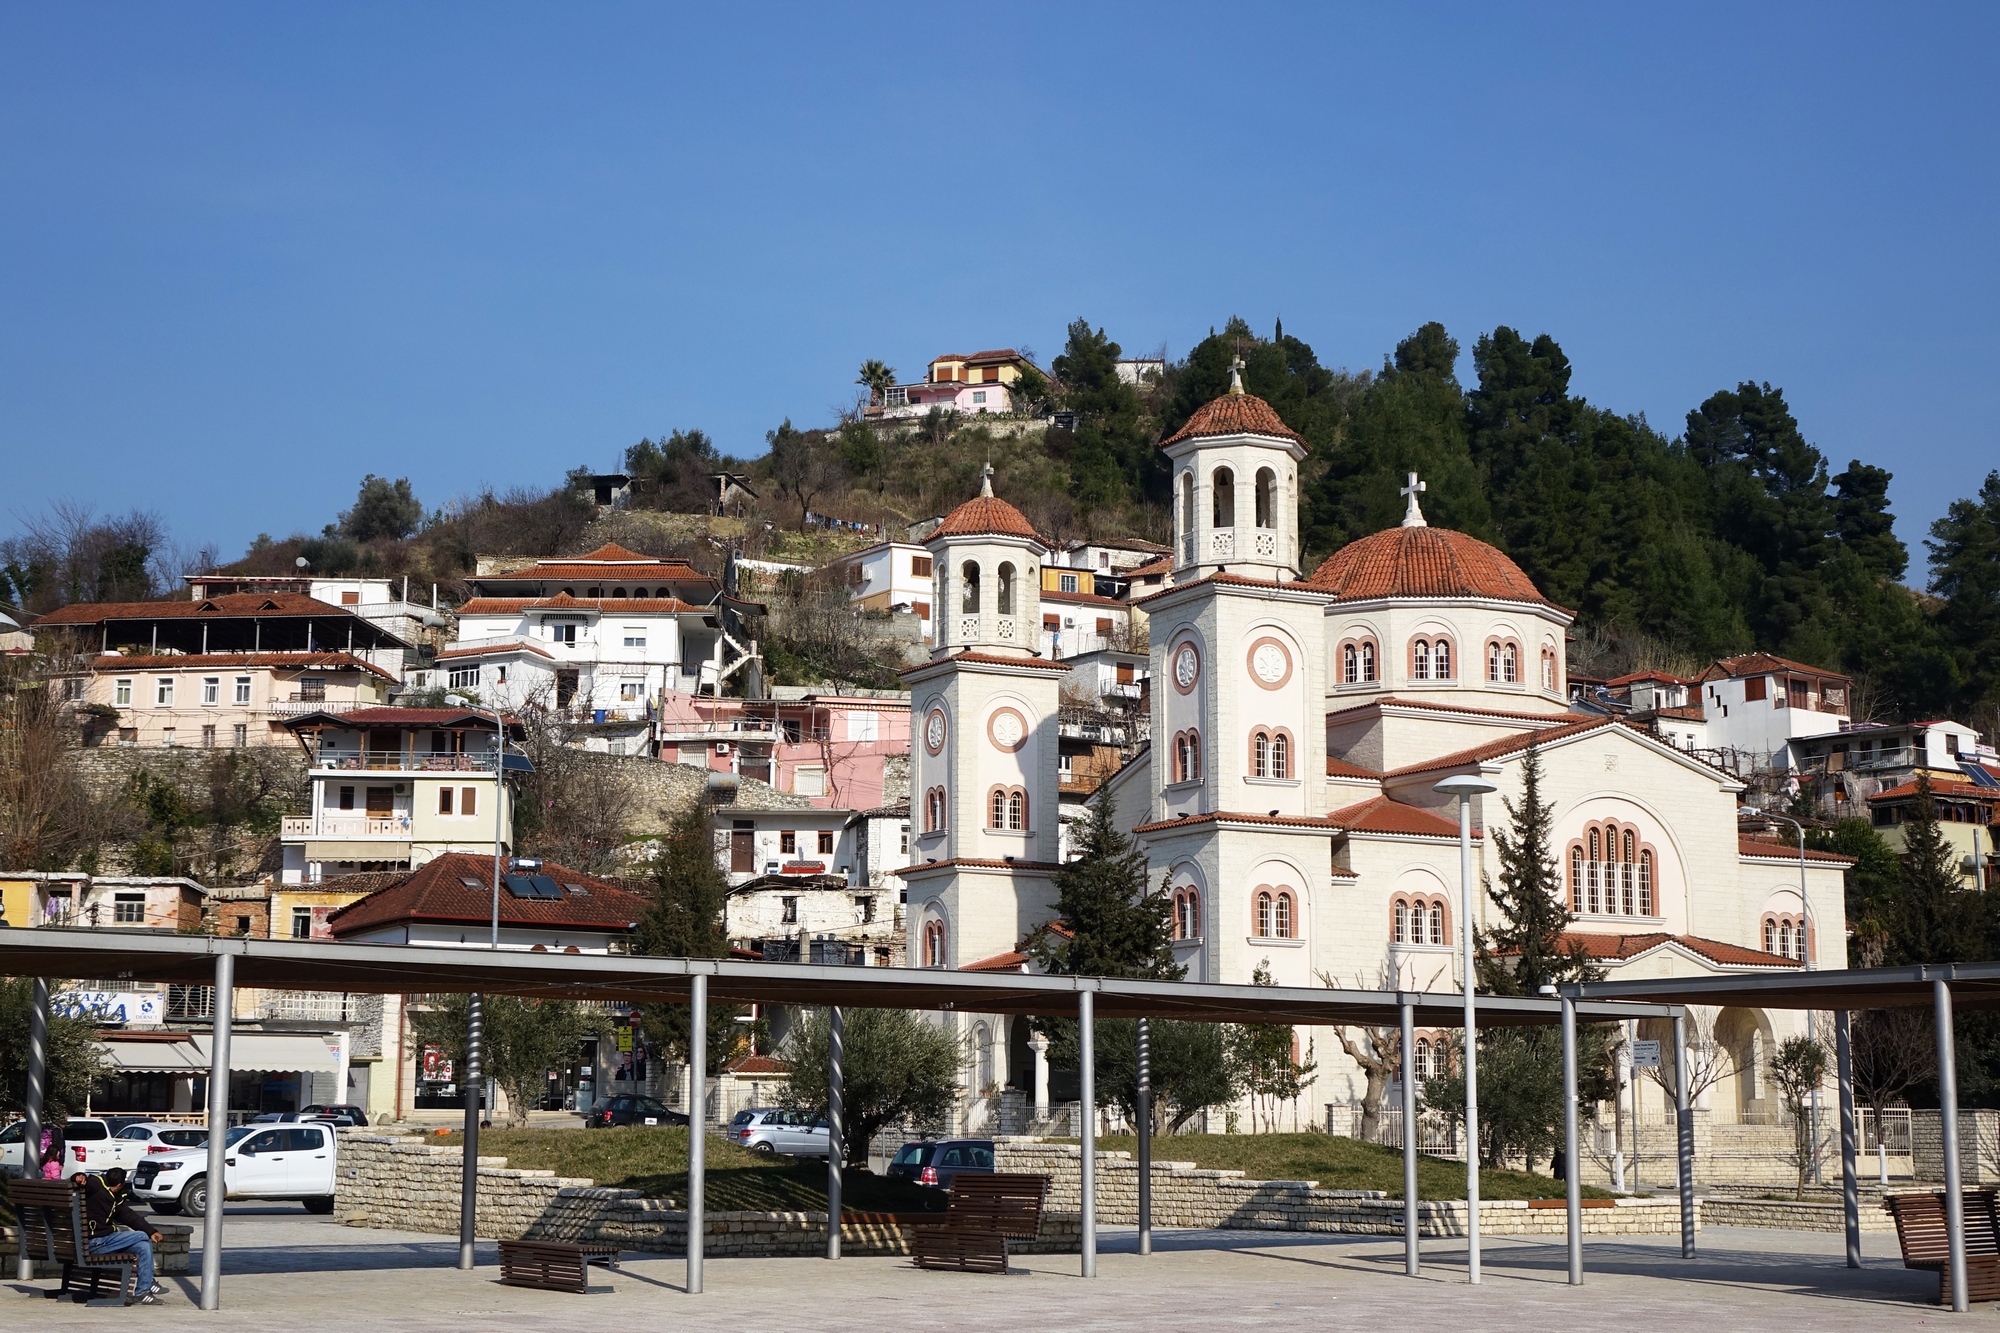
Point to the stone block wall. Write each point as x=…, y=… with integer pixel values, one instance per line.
x=1978, y=1145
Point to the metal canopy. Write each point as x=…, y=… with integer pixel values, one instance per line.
x=1973, y=986
x=401, y=968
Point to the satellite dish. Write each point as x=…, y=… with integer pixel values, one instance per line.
x=303, y=563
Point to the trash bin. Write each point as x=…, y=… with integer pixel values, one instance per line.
x=599, y=717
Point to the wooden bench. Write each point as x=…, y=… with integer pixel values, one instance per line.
x=1920, y=1231
x=552, y=1265
x=50, y=1216
x=986, y=1211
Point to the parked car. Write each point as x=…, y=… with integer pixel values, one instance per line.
x=155, y=1138
x=773, y=1129
x=262, y=1162
x=938, y=1162
x=354, y=1117
x=631, y=1109
x=296, y=1118
x=91, y=1147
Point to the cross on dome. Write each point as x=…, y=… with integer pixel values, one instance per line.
x=1414, y=517
x=986, y=481
x=1236, y=374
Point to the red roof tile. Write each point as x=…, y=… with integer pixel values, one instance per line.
x=1785, y=851
x=977, y=863
x=1503, y=747
x=1011, y=961
x=1340, y=768
x=498, y=646
x=1622, y=947
x=401, y=717
x=434, y=892
x=1393, y=701
x=1383, y=815
x=1080, y=598
x=985, y=515
x=1157, y=567
x=1423, y=562
x=1664, y=676
x=631, y=606
x=989, y=659
x=1234, y=414
x=1757, y=664
x=224, y=661
x=229, y=605
x=1236, y=817
x=1945, y=787
x=758, y=1064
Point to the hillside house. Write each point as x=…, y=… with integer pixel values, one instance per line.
x=1757, y=706
x=967, y=384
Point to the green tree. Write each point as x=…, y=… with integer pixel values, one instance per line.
x=1110, y=454
x=859, y=449
x=1964, y=551
x=897, y=1068
x=878, y=377
x=674, y=473
x=1111, y=926
x=1268, y=1062
x=684, y=920
x=1938, y=919
x=74, y=1060
x=522, y=1040
x=1797, y=1067
x=1873, y=884
x=802, y=466
x=1863, y=522
x=383, y=508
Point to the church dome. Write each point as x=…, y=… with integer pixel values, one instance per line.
x=984, y=515
x=1414, y=561
x=1234, y=413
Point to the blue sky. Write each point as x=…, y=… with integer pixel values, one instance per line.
x=249, y=253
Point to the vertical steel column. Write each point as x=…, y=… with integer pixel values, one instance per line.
x=1571, y=1173
x=218, y=1130
x=836, y=1122
x=468, y=1173
x=697, y=1207
x=1850, y=1186
x=38, y=1079
x=1086, y=1008
x=1954, y=1201
x=1683, y=1135
x=1145, y=1128
x=1410, y=1255
x=1467, y=934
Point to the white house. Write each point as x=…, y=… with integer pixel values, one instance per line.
x=890, y=576
x=1757, y=705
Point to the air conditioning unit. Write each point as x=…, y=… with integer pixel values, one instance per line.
x=722, y=747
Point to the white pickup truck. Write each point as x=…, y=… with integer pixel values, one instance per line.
x=262, y=1162
x=91, y=1147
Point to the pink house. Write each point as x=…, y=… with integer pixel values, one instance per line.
x=834, y=749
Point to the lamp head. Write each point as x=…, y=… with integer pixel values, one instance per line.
x=1548, y=988
x=1749, y=812
x=458, y=701
x=1464, y=785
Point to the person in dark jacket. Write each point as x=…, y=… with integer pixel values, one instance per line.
x=113, y=1226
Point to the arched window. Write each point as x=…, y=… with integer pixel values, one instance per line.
x=1350, y=664
x=638, y=592
x=1645, y=884
x=1785, y=939
x=1596, y=872
x=1281, y=759
x=1493, y=660
x=1510, y=664
x=1187, y=517
x=1266, y=913
x=1400, y=932
x=934, y=954
x=1187, y=913
x=617, y=592
x=1441, y=659
x=970, y=575
x=1284, y=916
x=1576, y=879
x=996, y=808
x=1612, y=872
x=934, y=808
x=1420, y=659
x=1628, y=888
x=1267, y=498
x=1260, y=754
x=1548, y=669
x=1187, y=756
x=1017, y=811
x=1436, y=915
x=1006, y=600
x=1770, y=935
x=1368, y=660
x=1420, y=1060
x=1223, y=486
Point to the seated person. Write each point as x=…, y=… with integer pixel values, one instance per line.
x=113, y=1226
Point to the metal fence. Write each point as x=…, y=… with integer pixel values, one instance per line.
x=1436, y=1136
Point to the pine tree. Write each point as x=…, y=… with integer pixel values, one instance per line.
x=1111, y=926
x=1533, y=914
x=684, y=920
x=1938, y=920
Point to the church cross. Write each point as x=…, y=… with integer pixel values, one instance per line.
x=1236, y=374
x=986, y=480
x=1414, y=517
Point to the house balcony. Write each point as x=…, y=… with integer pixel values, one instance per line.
x=300, y=828
x=396, y=761
x=695, y=730
x=310, y=1007
x=299, y=704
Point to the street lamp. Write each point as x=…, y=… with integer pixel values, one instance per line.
x=1465, y=786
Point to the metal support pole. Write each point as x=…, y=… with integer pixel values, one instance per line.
x=1410, y=1224
x=697, y=1209
x=1466, y=934
x=1850, y=1186
x=1145, y=1128
x=218, y=1131
x=836, y=1124
x=1572, y=1175
x=1086, y=1006
x=1683, y=1135
x=1954, y=1201
x=468, y=1175
x=38, y=1077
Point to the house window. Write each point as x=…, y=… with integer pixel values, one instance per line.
x=1275, y=914
x=208, y=736
x=1503, y=662
x=920, y=566
x=1548, y=669
x=979, y=396
x=1798, y=693
x=242, y=690
x=1125, y=674
x=163, y=692
x=790, y=915
x=444, y=800
x=461, y=678
x=635, y=636
x=1420, y=660
x=788, y=843
x=809, y=782
x=628, y=691
x=923, y=610
x=129, y=909
x=934, y=954
x=565, y=634
x=302, y=923
x=167, y=737
x=211, y=690
x=121, y=693
x=1753, y=689
x=347, y=798
x=1368, y=661
x=826, y=842
x=1270, y=753
x=1065, y=583
x=1350, y=664
x=242, y=730
x=865, y=905
x=1441, y=660
x=468, y=800
x=312, y=689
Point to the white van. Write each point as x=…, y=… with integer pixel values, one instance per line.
x=262, y=1162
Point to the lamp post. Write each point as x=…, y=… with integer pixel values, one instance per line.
x=1805, y=947
x=1465, y=786
x=468, y=1205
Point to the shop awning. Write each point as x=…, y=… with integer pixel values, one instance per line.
x=249, y=1052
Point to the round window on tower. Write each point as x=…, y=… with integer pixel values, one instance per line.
x=934, y=728
x=1270, y=663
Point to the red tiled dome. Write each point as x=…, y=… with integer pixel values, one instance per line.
x=1234, y=414
x=985, y=515
x=1422, y=562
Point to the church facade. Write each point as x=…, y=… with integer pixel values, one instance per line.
x=1300, y=722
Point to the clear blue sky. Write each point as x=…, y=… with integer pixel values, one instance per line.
x=248, y=253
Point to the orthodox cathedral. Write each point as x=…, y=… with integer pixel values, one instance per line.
x=1300, y=724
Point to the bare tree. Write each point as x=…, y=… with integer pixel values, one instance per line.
x=1378, y=1050
x=1893, y=1050
x=802, y=467
x=1708, y=1060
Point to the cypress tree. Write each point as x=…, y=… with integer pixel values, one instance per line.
x=1938, y=921
x=684, y=920
x=1533, y=912
x=1111, y=926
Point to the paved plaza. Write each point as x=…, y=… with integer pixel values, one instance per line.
x=285, y=1269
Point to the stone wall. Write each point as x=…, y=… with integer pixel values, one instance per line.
x=1978, y=1146
x=1792, y=1215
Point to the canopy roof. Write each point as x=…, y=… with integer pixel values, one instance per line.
x=393, y=968
x=1973, y=986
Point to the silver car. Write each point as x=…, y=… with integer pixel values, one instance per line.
x=774, y=1129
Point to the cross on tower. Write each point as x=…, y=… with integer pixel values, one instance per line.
x=986, y=480
x=1236, y=374
x=1413, y=517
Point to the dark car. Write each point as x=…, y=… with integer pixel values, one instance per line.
x=631, y=1109
x=351, y=1116
x=936, y=1163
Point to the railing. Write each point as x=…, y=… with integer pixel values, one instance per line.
x=391, y=761
x=337, y=826
x=1436, y=1136
x=701, y=729
x=310, y=1006
x=190, y=1002
x=1895, y=1131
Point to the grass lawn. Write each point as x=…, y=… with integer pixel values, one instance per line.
x=654, y=1159
x=1339, y=1164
